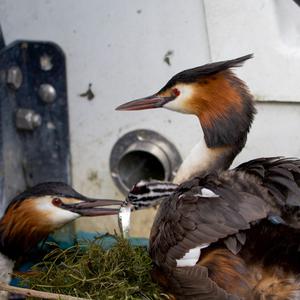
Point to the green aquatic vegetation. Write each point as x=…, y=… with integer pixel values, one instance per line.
x=89, y=271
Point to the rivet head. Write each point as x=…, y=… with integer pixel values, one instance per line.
x=27, y=119
x=46, y=62
x=14, y=77
x=47, y=93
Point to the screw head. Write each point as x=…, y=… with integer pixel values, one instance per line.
x=14, y=77
x=47, y=93
x=27, y=119
x=46, y=62
x=36, y=120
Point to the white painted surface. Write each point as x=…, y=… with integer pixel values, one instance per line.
x=275, y=132
x=119, y=47
x=268, y=28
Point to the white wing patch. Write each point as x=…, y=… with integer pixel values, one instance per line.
x=206, y=193
x=191, y=257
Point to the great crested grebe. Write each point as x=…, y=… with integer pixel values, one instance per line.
x=32, y=215
x=225, y=108
x=223, y=105
x=225, y=234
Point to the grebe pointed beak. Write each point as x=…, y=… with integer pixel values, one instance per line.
x=93, y=207
x=154, y=101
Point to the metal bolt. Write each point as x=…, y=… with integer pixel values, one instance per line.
x=14, y=77
x=45, y=62
x=47, y=93
x=27, y=119
x=50, y=125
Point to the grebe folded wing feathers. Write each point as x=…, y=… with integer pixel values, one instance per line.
x=280, y=175
x=221, y=232
x=209, y=219
x=194, y=284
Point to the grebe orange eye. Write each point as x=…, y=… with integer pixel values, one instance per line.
x=56, y=201
x=176, y=92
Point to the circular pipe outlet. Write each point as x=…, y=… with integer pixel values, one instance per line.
x=142, y=155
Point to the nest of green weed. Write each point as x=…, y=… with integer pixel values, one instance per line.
x=89, y=271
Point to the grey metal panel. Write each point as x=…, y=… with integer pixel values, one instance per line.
x=33, y=152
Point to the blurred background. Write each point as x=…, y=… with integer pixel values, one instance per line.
x=116, y=51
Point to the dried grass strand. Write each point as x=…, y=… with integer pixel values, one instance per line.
x=36, y=294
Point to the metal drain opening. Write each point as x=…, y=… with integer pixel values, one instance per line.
x=138, y=165
x=142, y=155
